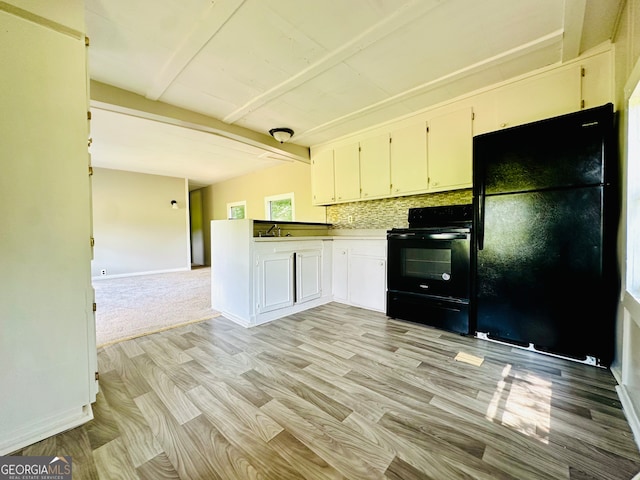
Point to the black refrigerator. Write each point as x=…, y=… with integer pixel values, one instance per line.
x=545, y=226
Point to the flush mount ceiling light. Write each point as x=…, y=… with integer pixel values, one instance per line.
x=281, y=134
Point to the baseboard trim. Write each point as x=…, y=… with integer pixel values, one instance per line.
x=267, y=317
x=37, y=431
x=630, y=412
x=137, y=274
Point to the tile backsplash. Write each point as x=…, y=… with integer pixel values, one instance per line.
x=389, y=212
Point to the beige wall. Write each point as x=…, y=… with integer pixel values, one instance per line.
x=135, y=229
x=291, y=177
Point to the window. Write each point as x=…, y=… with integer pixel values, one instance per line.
x=279, y=207
x=236, y=210
x=633, y=195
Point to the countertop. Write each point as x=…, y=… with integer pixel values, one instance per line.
x=334, y=234
x=319, y=237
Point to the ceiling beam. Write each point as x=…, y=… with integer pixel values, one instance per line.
x=118, y=100
x=574, y=11
x=405, y=14
x=211, y=20
x=519, y=51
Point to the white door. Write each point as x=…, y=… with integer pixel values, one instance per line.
x=450, y=150
x=275, y=284
x=409, y=159
x=368, y=282
x=322, y=173
x=347, y=172
x=375, y=175
x=46, y=305
x=308, y=275
x=340, y=273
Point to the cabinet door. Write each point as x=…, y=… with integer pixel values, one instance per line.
x=368, y=282
x=340, y=273
x=543, y=96
x=450, y=147
x=408, y=155
x=275, y=281
x=347, y=172
x=374, y=166
x=308, y=275
x=322, y=173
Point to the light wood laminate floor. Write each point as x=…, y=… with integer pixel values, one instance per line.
x=340, y=392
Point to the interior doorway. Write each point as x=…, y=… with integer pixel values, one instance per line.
x=196, y=220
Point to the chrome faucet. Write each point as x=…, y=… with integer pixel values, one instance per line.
x=275, y=225
x=266, y=234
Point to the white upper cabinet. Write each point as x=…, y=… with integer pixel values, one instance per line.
x=432, y=151
x=322, y=174
x=409, y=159
x=347, y=172
x=544, y=96
x=374, y=167
x=450, y=146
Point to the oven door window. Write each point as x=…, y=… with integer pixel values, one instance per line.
x=426, y=263
x=429, y=267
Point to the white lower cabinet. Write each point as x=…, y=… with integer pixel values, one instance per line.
x=287, y=274
x=275, y=281
x=340, y=270
x=368, y=282
x=360, y=273
x=308, y=275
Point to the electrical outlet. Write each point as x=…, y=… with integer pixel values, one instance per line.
x=350, y=219
x=103, y=271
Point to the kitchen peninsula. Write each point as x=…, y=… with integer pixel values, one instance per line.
x=264, y=270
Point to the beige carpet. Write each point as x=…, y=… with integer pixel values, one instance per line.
x=133, y=306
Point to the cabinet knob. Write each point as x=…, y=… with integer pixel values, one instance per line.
x=502, y=125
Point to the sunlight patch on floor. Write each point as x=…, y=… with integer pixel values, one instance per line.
x=522, y=402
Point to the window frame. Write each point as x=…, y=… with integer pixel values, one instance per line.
x=230, y=205
x=282, y=196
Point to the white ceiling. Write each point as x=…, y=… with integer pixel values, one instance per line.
x=323, y=68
